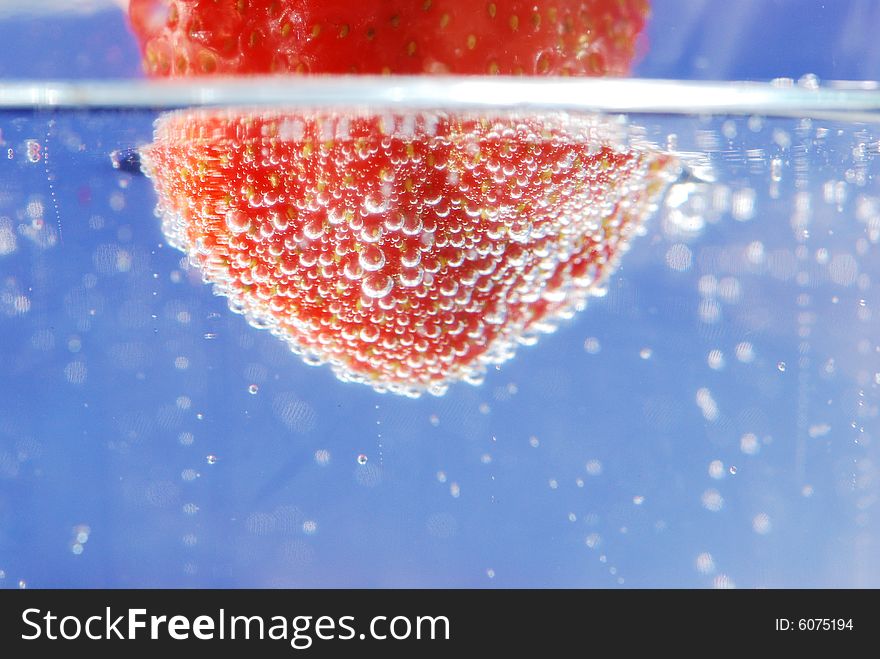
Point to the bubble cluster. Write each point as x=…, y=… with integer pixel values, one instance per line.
x=407, y=251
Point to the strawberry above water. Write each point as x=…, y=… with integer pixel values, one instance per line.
x=408, y=251
x=555, y=37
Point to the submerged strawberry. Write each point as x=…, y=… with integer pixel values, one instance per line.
x=547, y=37
x=408, y=251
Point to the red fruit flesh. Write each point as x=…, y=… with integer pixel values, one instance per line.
x=408, y=251
x=555, y=37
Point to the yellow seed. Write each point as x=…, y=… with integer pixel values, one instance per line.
x=493, y=68
x=285, y=31
x=492, y=10
x=514, y=22
x=371, y=33
x=343, y=31
x=471, y=42
x=316, y=30
x=173, y=16
x=536, y=20
x=207, y=61
x=411, y=48
x=426, y=5
x=444, y=20
x=395, y=20
x=543, y=63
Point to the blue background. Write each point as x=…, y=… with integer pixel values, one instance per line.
x=120, y=373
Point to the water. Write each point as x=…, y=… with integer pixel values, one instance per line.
x=709, y=422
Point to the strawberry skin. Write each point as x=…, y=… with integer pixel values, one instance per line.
x=407, y=251
x=556, y=37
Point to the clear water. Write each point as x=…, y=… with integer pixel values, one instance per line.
x=710, y=422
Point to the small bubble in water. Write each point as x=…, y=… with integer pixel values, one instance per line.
x=645, y=353
x=322, y=457
x=189, y=475
x=362, y=459
x=732, y=470
x=705, y=563
x=22, y=584
x=211, y=459
x=126, y=160
x=716, y=469
x=33, y=150
x=253, y=389
x=776, y=170
x=761, y=524
x=780, y=366
x=490, y=573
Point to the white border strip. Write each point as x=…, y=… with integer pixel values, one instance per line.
x=848, y=101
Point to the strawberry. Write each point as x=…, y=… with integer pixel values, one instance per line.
x=546, y=37
x=407, y=251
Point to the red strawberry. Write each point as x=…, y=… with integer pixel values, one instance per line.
x=552, y=37
x=408, y=251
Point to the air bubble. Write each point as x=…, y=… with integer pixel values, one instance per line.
x=372, y=258
x=369, y=334
x=237, y=221
x=374, y=204
x=411, y=277
x=362, y=459
x=33, y=149
x=377, y=285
